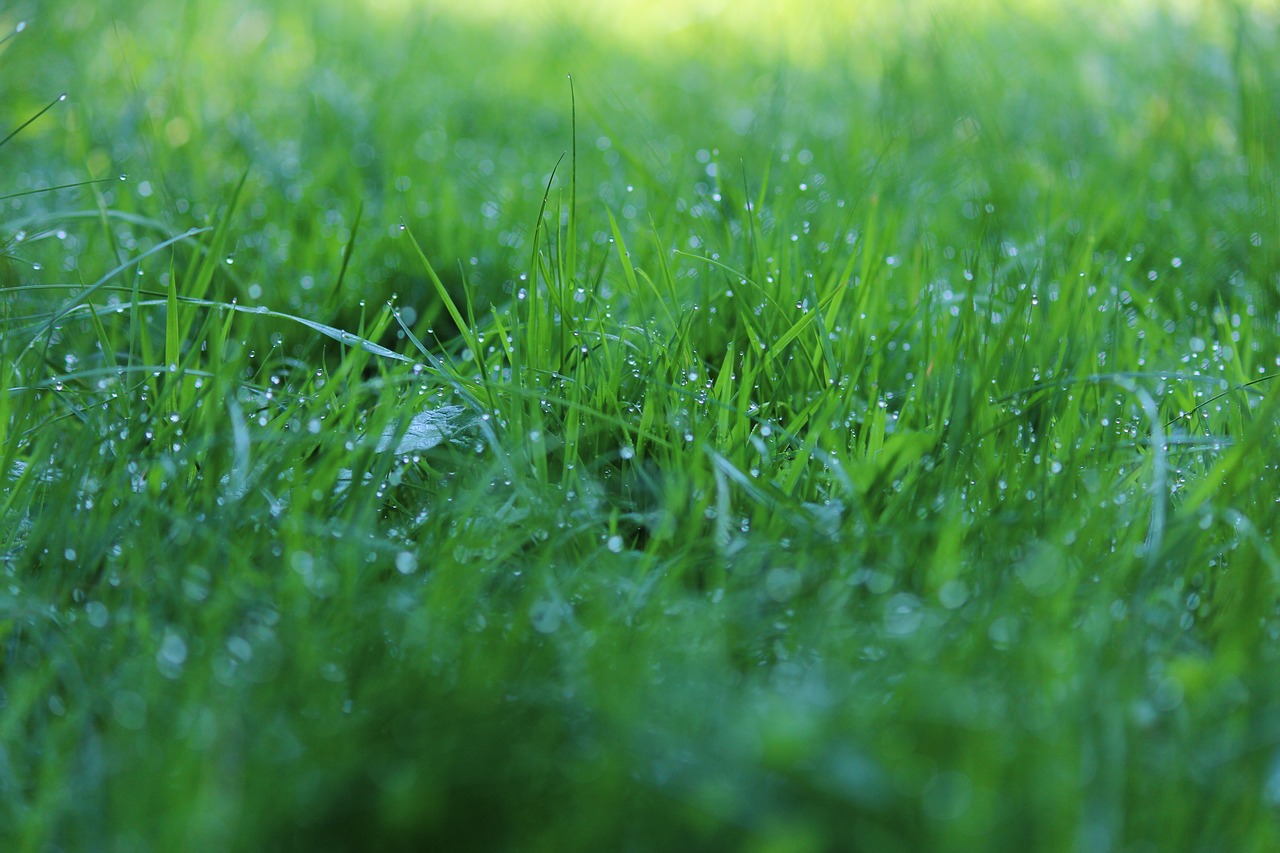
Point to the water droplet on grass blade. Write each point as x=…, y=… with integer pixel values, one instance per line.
x=172, y=655
x=97, y=614
x=903, y=615
x=547, y=616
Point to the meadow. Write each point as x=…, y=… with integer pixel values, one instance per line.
x=645, y=426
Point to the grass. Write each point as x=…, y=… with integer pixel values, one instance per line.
x=845, y=433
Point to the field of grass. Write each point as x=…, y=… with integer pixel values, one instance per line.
x=803, y=429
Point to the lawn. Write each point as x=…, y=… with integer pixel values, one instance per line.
x=779, y=427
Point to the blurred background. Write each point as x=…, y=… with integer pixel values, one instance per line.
x=451, y=117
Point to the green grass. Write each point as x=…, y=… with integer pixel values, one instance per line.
x=799, y=433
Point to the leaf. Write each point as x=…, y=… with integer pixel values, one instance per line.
x=426, y=430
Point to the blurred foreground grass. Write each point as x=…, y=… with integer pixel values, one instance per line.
x=820, y=430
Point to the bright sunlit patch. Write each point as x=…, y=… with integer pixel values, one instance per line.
x=808, y=32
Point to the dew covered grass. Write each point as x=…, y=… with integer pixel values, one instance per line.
x=847, y=429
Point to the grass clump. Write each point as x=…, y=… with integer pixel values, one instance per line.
x=736, y=451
